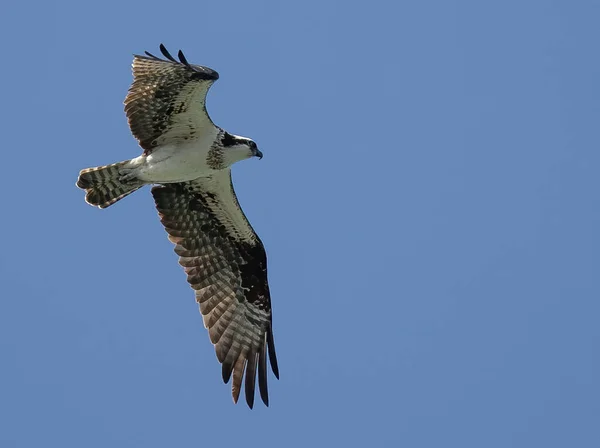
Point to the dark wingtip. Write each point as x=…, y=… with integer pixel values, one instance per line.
x=182, y=58
x=203, y=72
x=262, y=375
x=150, y=55
x=249, y=394
x=272, y=355
x=226, y=370
x=166, y=53
x=250, y=378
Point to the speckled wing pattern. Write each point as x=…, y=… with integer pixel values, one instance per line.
x=166, y=102
x=226, y=265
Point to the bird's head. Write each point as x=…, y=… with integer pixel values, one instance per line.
x=236, y=148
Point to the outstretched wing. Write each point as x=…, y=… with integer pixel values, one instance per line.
x=166, y=102
x=226, y=265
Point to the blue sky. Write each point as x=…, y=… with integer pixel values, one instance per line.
x=428, y=200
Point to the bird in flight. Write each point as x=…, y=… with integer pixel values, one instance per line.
x=188, y=159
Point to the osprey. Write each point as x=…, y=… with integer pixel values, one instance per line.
x=190, y=159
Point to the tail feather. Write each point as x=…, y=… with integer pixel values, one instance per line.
x=103, y=184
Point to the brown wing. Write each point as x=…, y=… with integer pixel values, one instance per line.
x=166, y=102
x=226, y=265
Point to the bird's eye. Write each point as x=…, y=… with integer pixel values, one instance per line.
x=252, y=144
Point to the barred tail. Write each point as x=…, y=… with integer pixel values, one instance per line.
x=104, y=185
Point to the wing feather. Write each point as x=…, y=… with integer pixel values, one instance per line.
x=262, y=375
x=166, y=101
x=238, y=371
x=225, y=264
x=251, y=379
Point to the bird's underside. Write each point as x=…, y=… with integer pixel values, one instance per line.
x=224, y=259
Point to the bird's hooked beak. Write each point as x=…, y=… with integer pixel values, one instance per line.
x=258, y=154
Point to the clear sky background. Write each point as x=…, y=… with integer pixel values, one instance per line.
x=429, y=201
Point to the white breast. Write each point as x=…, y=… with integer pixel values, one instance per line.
x=176, y=163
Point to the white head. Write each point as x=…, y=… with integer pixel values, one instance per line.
x=236, y=148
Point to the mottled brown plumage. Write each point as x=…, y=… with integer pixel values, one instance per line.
x=229, y=277
x=166, y=101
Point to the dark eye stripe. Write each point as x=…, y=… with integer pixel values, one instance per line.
x=228, y=139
